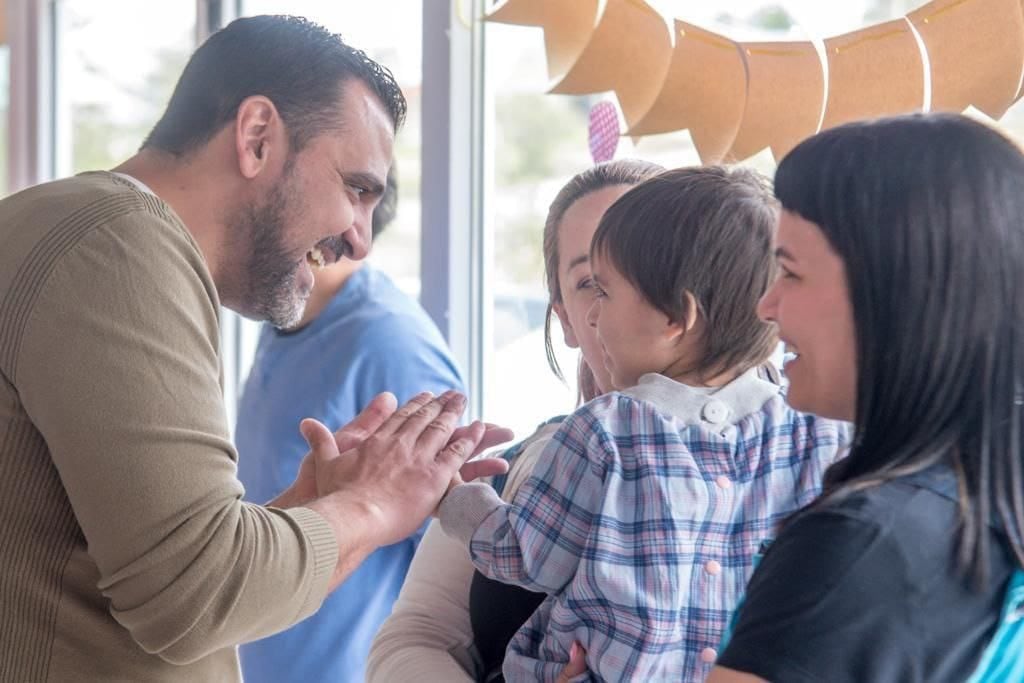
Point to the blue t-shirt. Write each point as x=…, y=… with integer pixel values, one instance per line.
x=371, y=337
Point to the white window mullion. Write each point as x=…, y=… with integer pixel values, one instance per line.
x=30, y=132
x=453, y=278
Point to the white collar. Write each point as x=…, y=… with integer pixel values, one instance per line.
x=695, y=405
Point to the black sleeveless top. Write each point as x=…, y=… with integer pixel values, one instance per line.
x=496, y=611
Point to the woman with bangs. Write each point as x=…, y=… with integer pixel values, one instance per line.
x=901, y=250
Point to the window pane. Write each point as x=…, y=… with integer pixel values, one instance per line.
x=118, y=61
x=373, y=28
x=5, y=92
x=541, y=141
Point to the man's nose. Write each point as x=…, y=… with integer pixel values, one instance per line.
x=359, y=237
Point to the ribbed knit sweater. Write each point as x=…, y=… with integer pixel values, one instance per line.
x=125, y=550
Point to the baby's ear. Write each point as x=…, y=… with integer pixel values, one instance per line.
x=689, y=318
x=567, y=331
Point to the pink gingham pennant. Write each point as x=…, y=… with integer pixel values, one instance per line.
x=604, y=131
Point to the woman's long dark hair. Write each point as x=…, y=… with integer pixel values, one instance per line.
x=927, y=214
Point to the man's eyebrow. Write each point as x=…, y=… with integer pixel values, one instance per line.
x=368, y=181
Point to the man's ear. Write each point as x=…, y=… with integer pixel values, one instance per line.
x=567, y=331
x=691, y=313
x=259, y=138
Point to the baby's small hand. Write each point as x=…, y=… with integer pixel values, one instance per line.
x=577, y=664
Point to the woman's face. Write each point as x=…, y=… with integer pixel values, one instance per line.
x=577, y=288
x=810, y=303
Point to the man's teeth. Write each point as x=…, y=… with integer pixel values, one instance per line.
x=316, y=257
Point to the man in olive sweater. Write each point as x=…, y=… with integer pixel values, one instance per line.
x=127, y=552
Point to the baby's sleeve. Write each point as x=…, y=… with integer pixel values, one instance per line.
x=537, y=540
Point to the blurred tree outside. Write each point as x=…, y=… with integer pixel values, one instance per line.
x=540, y=139
x=104, y=133
x=114, y=85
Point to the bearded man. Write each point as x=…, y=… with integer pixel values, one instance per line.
x=128, y=553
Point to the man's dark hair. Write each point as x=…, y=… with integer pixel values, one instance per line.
x=300, y=66
x=387, y=207
x=925, y=213
x=704, y=231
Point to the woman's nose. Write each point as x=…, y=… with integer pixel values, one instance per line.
x=769, y=302
x=593, y=312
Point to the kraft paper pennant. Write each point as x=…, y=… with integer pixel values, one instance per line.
x=975, y=52
x=568, y=26
x=628, y=52
x=785, y=97
x=704, y=91
x=1020, y=92
x=873, y=72
x=523, y=12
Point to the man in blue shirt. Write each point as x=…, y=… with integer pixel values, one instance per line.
x=360, y=335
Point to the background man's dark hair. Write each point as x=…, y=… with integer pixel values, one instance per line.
x=300, y=66
x=387, y=207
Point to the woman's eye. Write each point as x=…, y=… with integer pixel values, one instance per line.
x=598, y=292
x=586, y=283
x=787, y=274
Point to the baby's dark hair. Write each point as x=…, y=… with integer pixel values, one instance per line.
x=707, y=231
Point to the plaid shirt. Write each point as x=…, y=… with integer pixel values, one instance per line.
x=642, y=525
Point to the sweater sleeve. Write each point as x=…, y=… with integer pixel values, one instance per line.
x=428, y=635
x=119, y=371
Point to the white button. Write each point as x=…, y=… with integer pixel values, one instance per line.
x=708, y=655
x=715, y=412
x=713, y=567
x=723, y=482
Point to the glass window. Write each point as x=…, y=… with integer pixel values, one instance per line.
x=5, y=91
x=117, y=63
x=541, y=141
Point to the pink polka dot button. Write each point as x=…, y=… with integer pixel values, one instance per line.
x=723, y=482
x=713, y=567
x=708, y=655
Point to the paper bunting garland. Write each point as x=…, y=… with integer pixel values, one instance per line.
x=709, y=100
x=738, y=98
x=611, y=60
x=785, y=98
x=873, y=72
x=567, y=24
x=981, y=66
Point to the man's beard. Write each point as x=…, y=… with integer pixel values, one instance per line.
x=269, y=273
